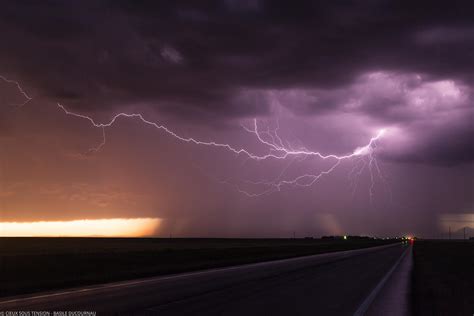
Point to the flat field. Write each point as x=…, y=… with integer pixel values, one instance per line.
x=39, y=264
x=443, y=278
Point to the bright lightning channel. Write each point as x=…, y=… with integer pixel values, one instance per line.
x=273, y=142
x=20, y=89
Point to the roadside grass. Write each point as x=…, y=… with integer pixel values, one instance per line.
x=443, y=278
x=30, y=265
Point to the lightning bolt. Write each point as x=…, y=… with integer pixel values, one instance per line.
x=308, y=179
x=268, y=138
x=20, y=89
x=276, y=151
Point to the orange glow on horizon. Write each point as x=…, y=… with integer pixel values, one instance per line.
x=113, y=227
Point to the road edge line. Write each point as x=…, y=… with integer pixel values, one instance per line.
x=375, y=291
x=126, y=283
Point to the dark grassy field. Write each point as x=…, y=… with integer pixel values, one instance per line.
x=443, y=278
x=37, y=264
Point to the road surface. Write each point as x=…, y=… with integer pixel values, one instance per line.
x=326, y=284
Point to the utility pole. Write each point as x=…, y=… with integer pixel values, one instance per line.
x=464, y=233
x=449, y=232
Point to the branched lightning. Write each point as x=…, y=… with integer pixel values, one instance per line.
x=276, y=151
x=269, y=139
x=363, y=154
x=273, y=142
x=20, y=89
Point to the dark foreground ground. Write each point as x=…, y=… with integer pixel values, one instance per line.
x=30, y=265
x=443, y=278
x=337, y=283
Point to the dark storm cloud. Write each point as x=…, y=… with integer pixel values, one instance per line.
x=221, y=58
x=447, y=145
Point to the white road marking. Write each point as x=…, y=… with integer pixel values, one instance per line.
x=369, y=299
x=183, y=275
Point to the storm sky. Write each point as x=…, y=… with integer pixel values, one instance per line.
x=327, y=76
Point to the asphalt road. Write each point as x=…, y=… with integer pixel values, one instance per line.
x=327, y=284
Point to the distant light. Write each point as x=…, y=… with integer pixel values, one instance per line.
x=112, y=227
x=345, y=237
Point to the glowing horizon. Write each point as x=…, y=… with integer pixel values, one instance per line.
x=112, y=227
